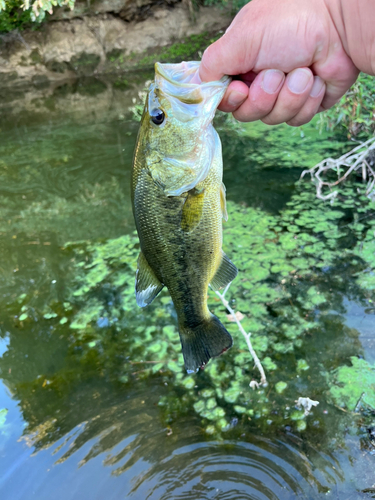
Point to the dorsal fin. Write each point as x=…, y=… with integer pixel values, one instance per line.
x=192, y=210
x=147, y=285
x=225, y=273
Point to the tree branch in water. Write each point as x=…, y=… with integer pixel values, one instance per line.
x=263, y=379
x=356, y=159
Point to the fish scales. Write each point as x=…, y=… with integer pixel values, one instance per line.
x=178, y=211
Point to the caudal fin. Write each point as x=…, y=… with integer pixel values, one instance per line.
x=199, y=344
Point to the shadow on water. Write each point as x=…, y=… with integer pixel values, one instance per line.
x=98, y=402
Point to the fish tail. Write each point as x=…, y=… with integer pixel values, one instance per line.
x=200, y=343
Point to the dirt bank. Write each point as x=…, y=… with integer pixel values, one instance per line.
x=106, y=37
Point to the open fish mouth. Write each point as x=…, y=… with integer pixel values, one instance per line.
x=183, y=82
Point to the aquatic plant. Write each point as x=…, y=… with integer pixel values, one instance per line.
x=288, y=266
x=355, y=384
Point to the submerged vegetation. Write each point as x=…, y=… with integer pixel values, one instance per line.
x=294, y=269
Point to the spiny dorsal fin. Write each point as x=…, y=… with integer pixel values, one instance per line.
x=147, y=285
x=192, y=210
x=223, y=202
x=225, y=274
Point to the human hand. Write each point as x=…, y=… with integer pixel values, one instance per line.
x=290, y=60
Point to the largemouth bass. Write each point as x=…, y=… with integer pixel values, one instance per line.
x=179, y=202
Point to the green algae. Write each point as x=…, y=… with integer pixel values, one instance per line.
x=281, y=386
x=354, y=384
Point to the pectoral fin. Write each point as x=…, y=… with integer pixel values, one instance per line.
x=192, y=210
x=225, y=274
x=223, y=202
x=147, y=285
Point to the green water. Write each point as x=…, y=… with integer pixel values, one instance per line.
x=94, y=400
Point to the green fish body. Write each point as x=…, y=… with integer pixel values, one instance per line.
x=178, y=203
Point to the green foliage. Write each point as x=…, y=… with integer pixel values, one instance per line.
x=18, y=14
x=12, y=16
x=350, y=384
x=355, y=112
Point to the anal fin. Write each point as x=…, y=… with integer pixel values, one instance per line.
x=225, y=273
x=147, y=285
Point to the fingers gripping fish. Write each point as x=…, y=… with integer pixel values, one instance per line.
x=178, y=202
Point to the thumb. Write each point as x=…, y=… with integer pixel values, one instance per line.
x=233, y=54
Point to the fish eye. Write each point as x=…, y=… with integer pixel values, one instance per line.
x=157, y=116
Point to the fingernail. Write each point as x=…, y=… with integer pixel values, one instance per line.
x=317, y=86
x=272, y=79
x=236, y=98
x=298, y=80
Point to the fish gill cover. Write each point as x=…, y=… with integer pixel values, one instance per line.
x=191, y=105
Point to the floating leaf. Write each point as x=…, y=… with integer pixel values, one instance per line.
x=281, y=386
x=352, y=383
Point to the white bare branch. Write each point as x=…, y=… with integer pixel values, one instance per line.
x=263, y=380
x=349, y=162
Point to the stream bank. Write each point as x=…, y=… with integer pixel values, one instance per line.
x=110, y=37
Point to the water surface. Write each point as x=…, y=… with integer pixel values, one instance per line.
x=76, y=426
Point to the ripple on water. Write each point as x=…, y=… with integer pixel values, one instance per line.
x=227, y=470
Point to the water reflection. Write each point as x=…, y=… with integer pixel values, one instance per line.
x=80, y=420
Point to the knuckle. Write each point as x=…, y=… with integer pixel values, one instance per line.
x=242, y=117
x=272, y=120
x=298, y=121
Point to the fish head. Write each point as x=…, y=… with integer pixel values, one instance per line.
x=178, y=137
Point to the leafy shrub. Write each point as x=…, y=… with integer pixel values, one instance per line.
x=16, y=14
x=355, y=112
x=12, y=16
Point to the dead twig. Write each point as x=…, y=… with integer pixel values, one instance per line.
x=354, y=160
x=263, y=379
x=307, y=404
